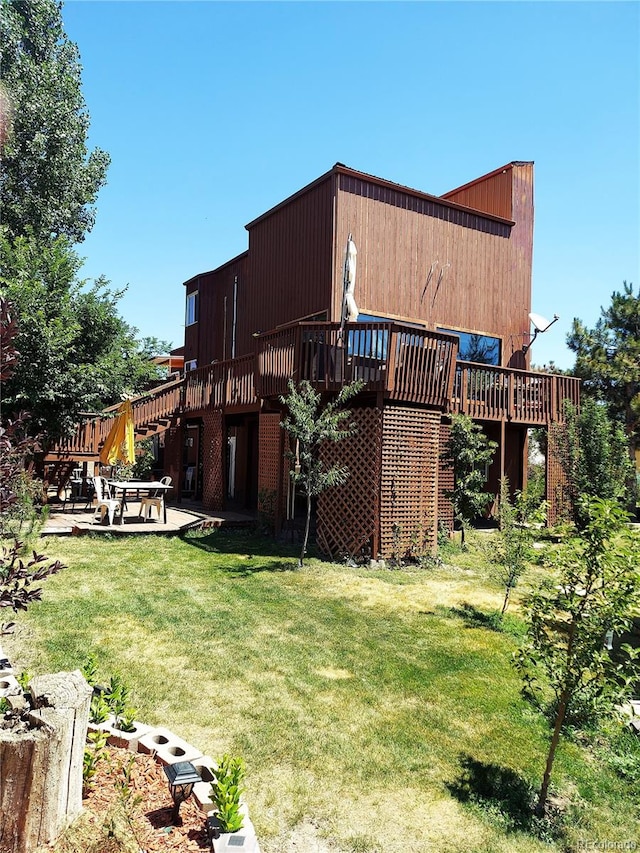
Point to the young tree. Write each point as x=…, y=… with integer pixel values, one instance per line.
x=309, y=424
x=49, y=181
x=514, y=544
x=468, y=451
x=608, y=361
x=592, y=449
x=595, y=591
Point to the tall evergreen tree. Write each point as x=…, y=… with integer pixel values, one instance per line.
x=608, y=360
x=49, y=179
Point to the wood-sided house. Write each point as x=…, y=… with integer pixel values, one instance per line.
x=443, y=288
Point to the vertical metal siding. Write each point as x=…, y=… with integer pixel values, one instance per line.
x=291, y=256
x=481, y=268
x=491, y=194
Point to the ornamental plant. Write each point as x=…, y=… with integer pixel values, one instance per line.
x=226, y=790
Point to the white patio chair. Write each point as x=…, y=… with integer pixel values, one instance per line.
x=154, y=499
x=105, y=503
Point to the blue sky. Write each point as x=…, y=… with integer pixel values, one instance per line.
x=213, y=112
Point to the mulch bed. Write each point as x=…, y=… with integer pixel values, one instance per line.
x=149, y=804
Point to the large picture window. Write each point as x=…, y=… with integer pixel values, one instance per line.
x=192, y=309
x=481, y=349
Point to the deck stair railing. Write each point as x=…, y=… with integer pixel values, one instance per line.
x=152, y=413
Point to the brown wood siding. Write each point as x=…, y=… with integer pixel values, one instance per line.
x=211, y=338
x=491, y=194
x=291, y=262
x=480, y=268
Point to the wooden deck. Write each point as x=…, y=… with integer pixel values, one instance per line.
x=79, y=521
x=397, y=362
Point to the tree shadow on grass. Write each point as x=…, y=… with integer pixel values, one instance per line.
x=504, y=795
x=252, y=552
x=475, y=618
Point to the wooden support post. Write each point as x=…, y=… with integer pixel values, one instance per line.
x=41, y=763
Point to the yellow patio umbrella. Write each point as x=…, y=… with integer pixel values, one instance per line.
x=119, y=444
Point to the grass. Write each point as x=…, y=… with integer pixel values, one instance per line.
x=379, y=708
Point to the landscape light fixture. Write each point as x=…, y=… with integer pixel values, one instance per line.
x=182, y=777
x=540, y=325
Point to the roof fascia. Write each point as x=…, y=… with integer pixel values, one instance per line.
x=422, y=195
x=217, y=269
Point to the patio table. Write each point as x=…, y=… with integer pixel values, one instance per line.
x=124, y=486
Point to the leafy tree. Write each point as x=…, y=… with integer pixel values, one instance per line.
x=468, y=451
x=594, y=592
x=592, y=449
x=49, y=180
x=78, y=354
x=608, y=360
x=309, y=424
x=17, y=575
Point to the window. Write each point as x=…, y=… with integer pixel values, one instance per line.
x=373, y=343
x=192, y=308
x=481, y=349
x=190, y=365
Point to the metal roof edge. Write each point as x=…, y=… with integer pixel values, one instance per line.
x=216, y=269
x=307, y=188
x=491, y=174
x=340, y=168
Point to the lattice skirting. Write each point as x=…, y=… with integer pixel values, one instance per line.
x=558, y=495
x=409, y=481
x=270, y=457
x=347, y=515
x=213, y=456
x=173, y=446
x=446, y=481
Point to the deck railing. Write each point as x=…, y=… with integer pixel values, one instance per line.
x=84, y=441
x=485, y=392
x=152, y=408
x=221, y=385
x=400, y=361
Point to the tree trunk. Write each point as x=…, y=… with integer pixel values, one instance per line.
x=544, y=790
x=307, y=525
x=41, y=761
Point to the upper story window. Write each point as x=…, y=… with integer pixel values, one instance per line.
x=190, y=365
x=192, y=308
x=482, y=349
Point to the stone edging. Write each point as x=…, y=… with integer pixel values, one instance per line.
x=167, y=748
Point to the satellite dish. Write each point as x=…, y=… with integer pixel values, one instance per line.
x=540, y=323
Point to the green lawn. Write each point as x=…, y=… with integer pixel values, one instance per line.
x=367, y=705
